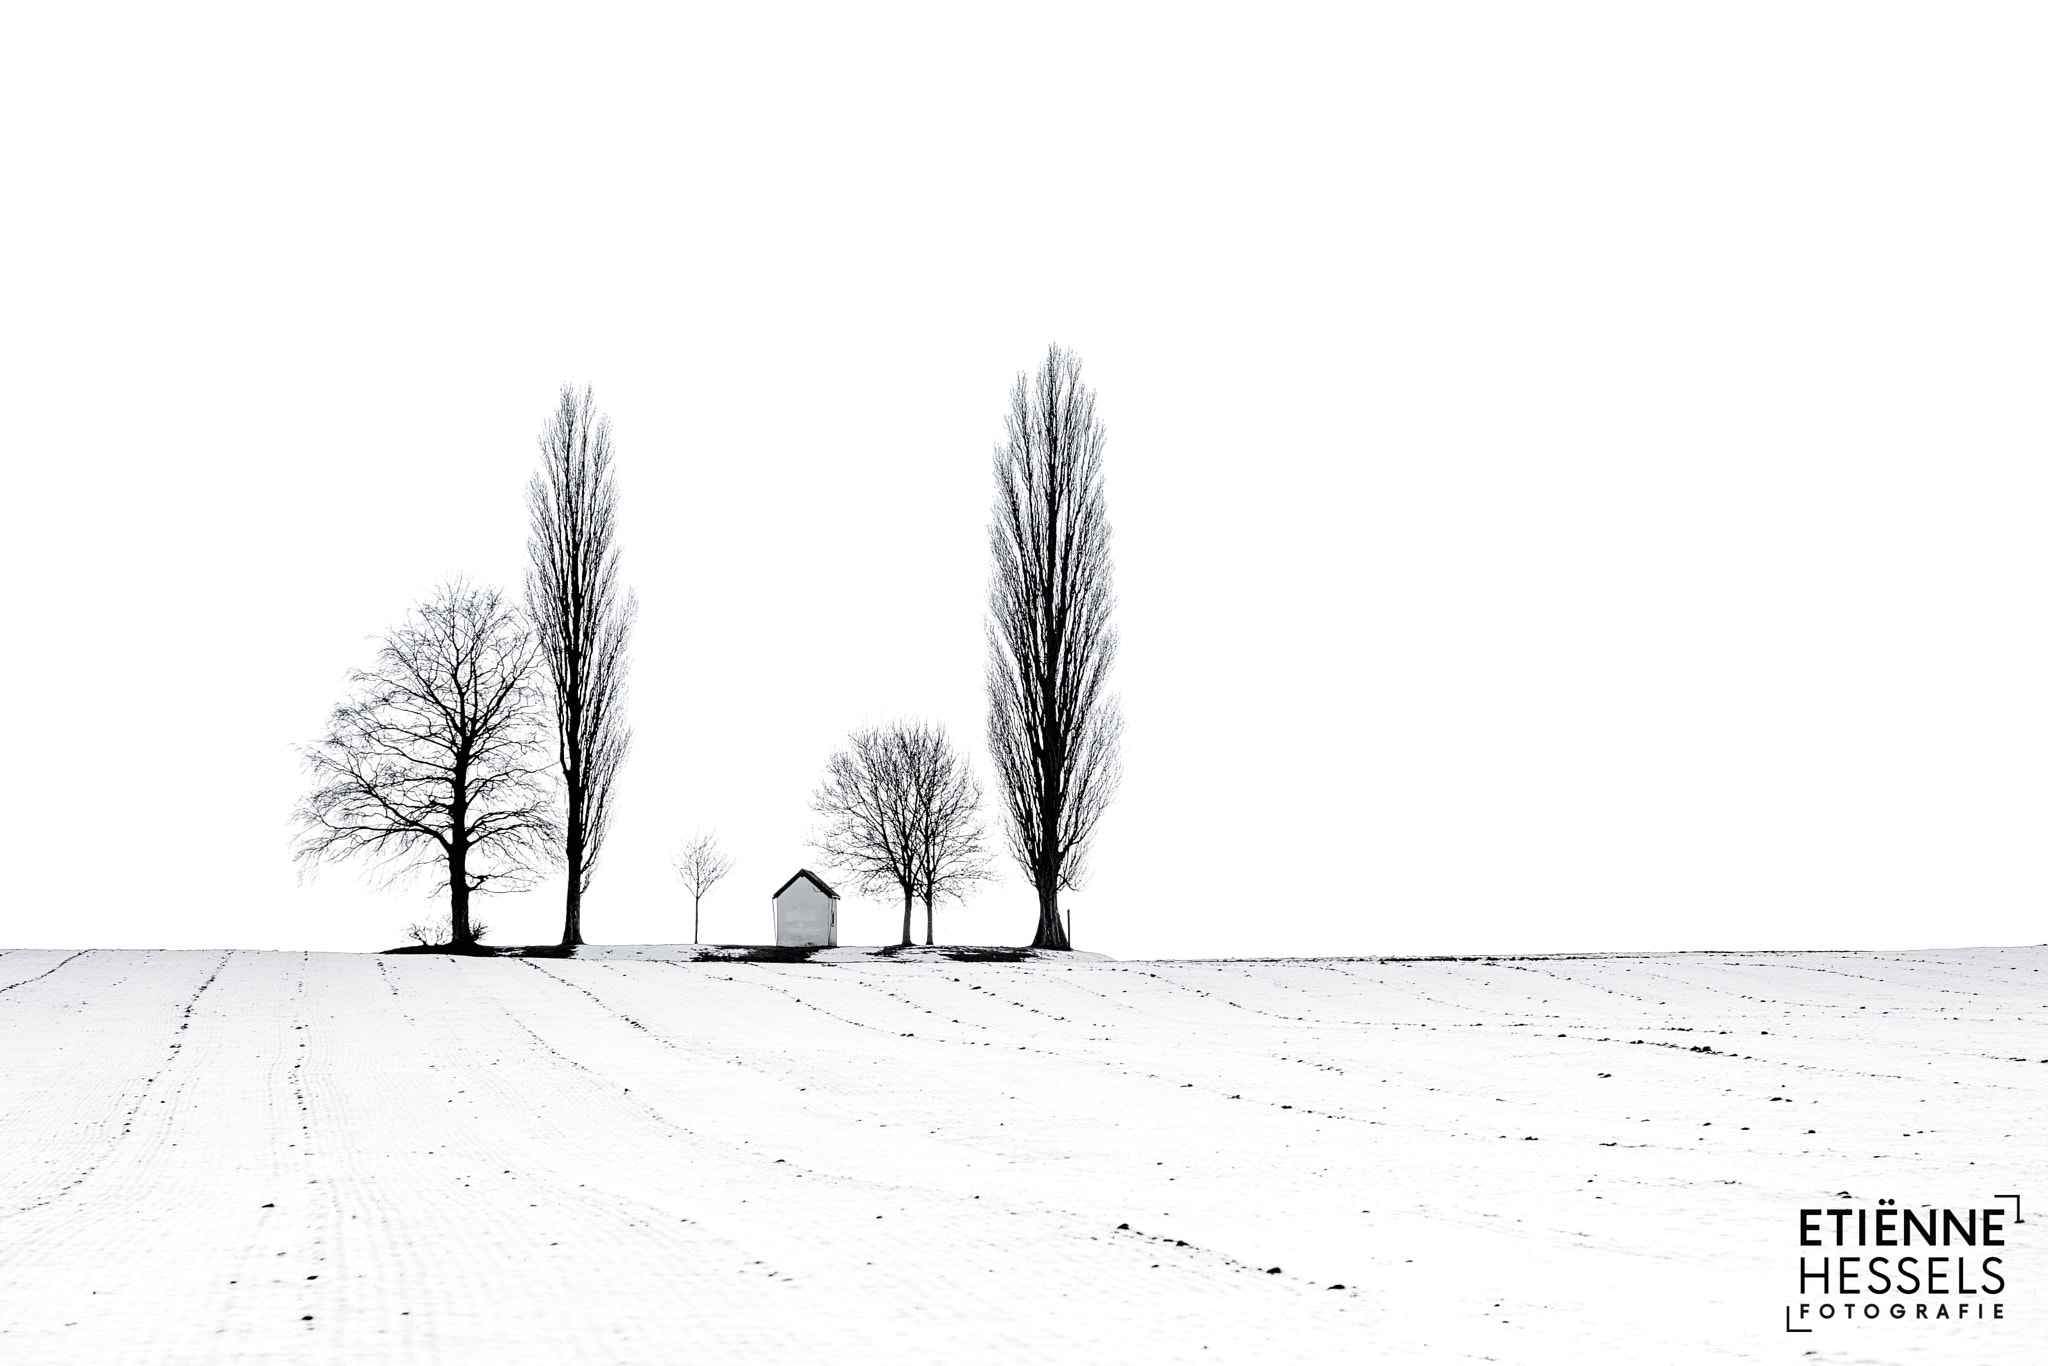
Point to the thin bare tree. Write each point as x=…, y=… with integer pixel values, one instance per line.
x=584, y=621
x=436, y=763
x=700, y=863
x=868, y=803
x=948, y=843
x=1053, y=726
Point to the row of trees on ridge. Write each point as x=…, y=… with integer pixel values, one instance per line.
x=483, y=746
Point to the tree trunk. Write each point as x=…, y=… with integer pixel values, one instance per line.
x=906, y=917
x=1052, y=932
x=572, y=910
x=575, y=783
x=927, y=922
x=572, y=914
x=696, y=918
x=459, y=934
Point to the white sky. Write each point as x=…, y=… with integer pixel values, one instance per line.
x=1576, y=470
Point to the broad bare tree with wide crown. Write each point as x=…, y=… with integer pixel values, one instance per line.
x=868, y=802
x=436, y=764
x=948, y=846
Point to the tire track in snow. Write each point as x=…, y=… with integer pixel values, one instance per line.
x=510, y=1148
x=1211, y=1090
x=1384, y=983
x=860, y=978
x=676, y=1131
x=475, y=1265
x=1283, y=986
x=1584, y=1032
x=1067, y=1224
x=1497, y=1013
x=41, y=975
x=921, y=1204
x=114, y=1144
x=1136, y=1006
x=1814, y=1012
x=785, y=992
x=1061, y=1057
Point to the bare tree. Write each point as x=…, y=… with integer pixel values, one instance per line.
x=869, y=805
x=948, y=844
x=572, y=589
x=1053, y=728
x=700, y=864
x=436, y=762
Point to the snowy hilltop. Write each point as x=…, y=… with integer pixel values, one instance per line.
x=301, y=1157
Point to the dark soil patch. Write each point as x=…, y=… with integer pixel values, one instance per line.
x=959, y=953
x=473, y=951
x=765, y=953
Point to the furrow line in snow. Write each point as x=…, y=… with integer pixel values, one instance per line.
x=812, y=1005
x=1234, y=1005
x=425, y=1159
x=113, y=1144
x=820, y=1191
x=1119, y=1067
x=661, y=1121
x=41, y=975
x=857, y=975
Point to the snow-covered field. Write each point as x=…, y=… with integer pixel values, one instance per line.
x=281, y=1157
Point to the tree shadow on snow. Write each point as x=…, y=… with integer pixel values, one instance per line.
x=958, y=953
x=492, y=950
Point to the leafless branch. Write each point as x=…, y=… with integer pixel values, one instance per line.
x=868, y=805
x=435, y=763
x=948, y=843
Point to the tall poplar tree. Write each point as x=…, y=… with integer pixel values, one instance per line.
x=584, y=622
x=1053, y=726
